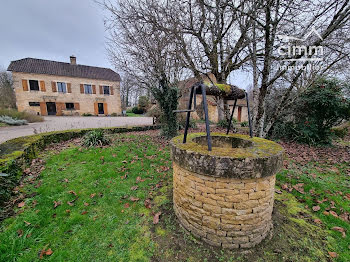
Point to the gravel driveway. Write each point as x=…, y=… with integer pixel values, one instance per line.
x=55, y=123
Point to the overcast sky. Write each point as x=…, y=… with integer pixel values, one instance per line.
x=56, y=29
x=53, y=30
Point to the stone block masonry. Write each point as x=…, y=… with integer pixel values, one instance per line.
x=225, y=211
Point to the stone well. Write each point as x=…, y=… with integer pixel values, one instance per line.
x=225, y=196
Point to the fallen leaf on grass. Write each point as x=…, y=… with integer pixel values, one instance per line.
x=333, y=213
x=56, y=203
x=139, y=179
x=126, y=205
x=317, y=221
x=316, y=208
x=84, y=212
x=134, y=187
x=340, y=229
x=133, y=199
x=323, y=200
x=93, y=195
x=156, y=217
x=21, y=204
x=148, y=203
x=28, y=223
x=332, y=254
x=284, y=186
x=45, y=252
x=86, y=204
x=347, y=196
x=345, y=217
x=72, y=192
x=299, y=187
x=71, y=203
x=20, y=232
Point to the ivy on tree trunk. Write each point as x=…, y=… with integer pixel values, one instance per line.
x=167, y=97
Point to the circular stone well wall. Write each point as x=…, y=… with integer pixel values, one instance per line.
x=225, y=196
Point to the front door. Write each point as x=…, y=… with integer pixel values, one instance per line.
x=239, y=118
x=101, y=111
x=51, y=108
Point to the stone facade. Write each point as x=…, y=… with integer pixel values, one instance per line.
x=225, y=196
x=48, y=92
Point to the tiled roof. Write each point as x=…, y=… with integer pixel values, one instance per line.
x=47, y=67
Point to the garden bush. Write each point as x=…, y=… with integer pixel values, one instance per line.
x=12, y=121
x=244, y=124
x=95, y=138
x=315, y=112
x=137, y=110
x=223, y=123
x=144, y=103
x=31, y=118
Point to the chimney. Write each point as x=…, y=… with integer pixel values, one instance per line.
x=73, y=60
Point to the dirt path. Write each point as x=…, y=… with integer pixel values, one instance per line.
x=55, y=123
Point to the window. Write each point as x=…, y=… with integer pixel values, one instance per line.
x=34, y=85
x=106, y=90
x=34, y=104
x=69, y=106
x=61, y=87
x=87, y=89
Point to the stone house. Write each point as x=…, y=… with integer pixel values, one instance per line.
x=46, y=87
x=241, y=111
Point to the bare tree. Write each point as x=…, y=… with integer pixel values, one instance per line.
x=7, y=94
x=294, y=18
x=162, y=38
x=208, y=36
x=146, y=54
x=128, y=87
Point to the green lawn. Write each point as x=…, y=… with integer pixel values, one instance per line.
x=325, y=191
x=98, y=217
x=131, y=114
x=102, y=211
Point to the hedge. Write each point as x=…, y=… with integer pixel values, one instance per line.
x=17, y=153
